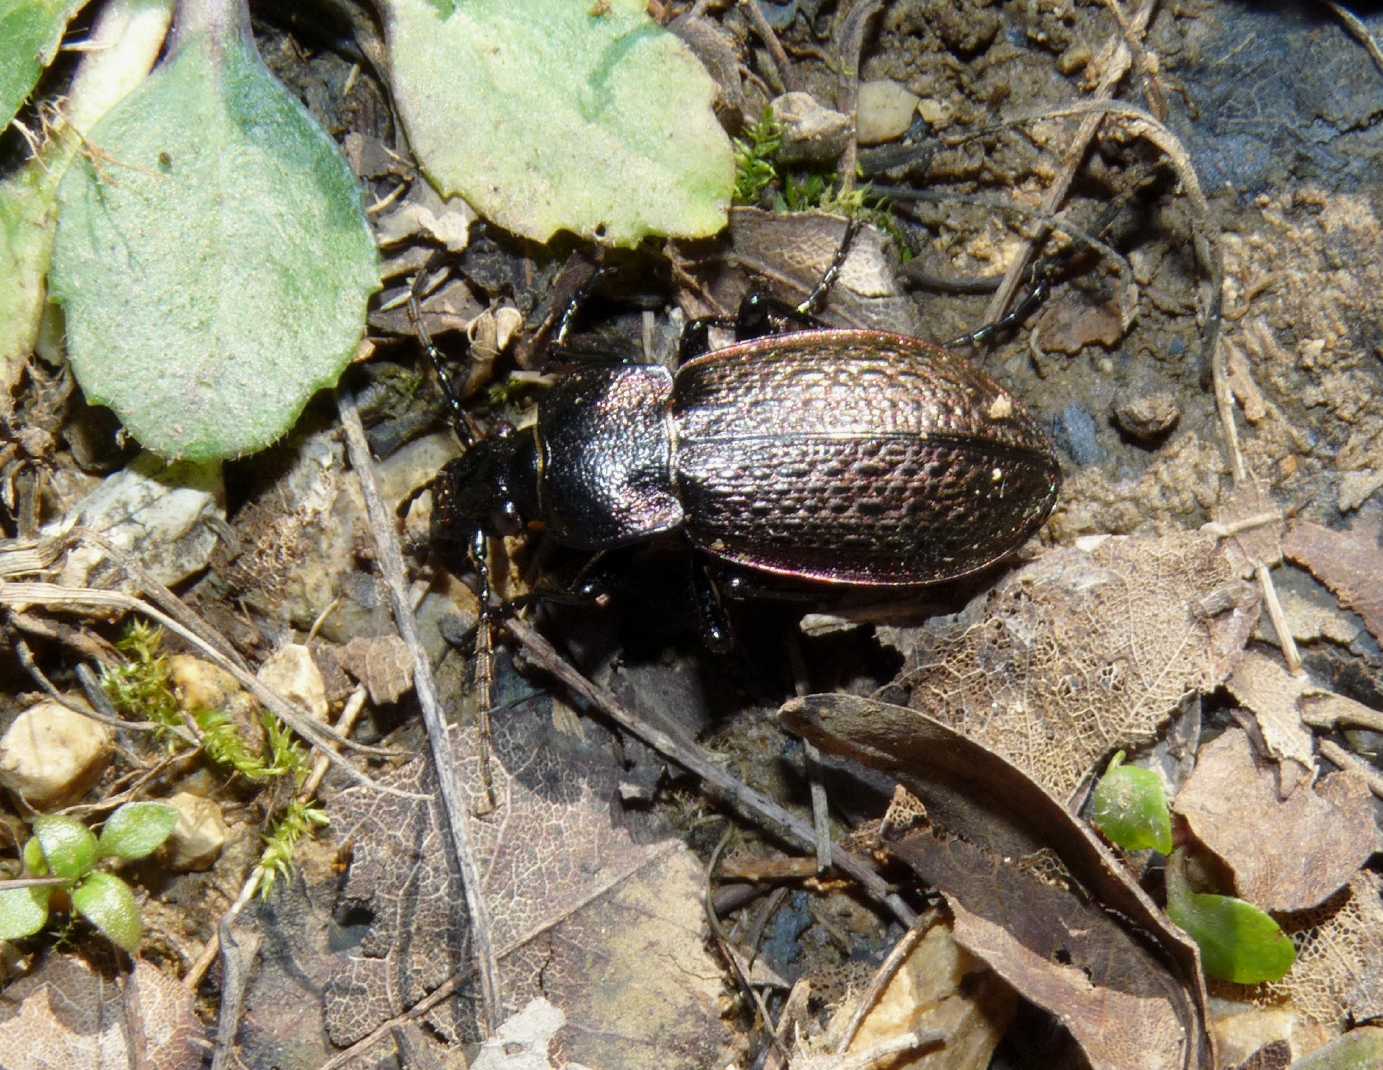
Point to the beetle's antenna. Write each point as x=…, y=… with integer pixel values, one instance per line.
x=483, y=658
x=460, y=421
x=812, y=305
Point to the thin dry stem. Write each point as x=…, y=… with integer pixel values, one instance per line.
x=391, y=568
x=1114, y=60
x=688, y=755
x=883, y=976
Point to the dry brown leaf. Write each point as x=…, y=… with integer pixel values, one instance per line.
x=67, y=1015
x=1286, y=854
x=1070, y=326
x=939, y=986
x=383, y=664
x=606, y=927
x=1082, y=651
x=1272, y=695
x=1349, y=562
x=1116, y=1028
x=1081, y=951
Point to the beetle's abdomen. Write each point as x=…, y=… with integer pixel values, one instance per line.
x=856, y=457
x=604, y=453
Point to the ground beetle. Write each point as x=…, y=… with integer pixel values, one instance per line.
x=820, y=455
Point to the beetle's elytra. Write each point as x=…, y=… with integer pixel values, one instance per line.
x=830, y=456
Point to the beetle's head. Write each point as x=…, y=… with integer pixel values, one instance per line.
x=488, y=488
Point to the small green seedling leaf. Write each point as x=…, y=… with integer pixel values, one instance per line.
x=35, y=865
x=1238, y=942
x=1130, y=808
x=30, y=32
x=108, y=903
x=69, y=848
x=137, y=829
x=212, y=255
x=552, y=115
x=23, y=911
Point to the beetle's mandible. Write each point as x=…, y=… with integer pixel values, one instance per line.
x=831, y=456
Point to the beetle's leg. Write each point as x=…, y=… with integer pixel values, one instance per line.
x=1038, y=291
x=742, y=586
x=812, y=305
x=576, y=302
x=460, y=421
x=696, y=336
x=761, y=315
x=484, y=662
x=716, y=632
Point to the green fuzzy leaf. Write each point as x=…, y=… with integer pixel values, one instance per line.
x=30, y=32
x=1130, y=808
x=108, y=903
x=23, y=911
x=137, y=829
x=552, y=115
x=212, y=255
x=1238, y=942
x=28, y=212
x=69, y=848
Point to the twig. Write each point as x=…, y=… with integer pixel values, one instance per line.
x=134, y=1020
x=884, y=975
x=778, y=62
x=84, y=644
x=1115, y=59
x=26, y=659
x=235, y=976
x=821, y=814
x=159, y=593
x=390, y=560
x=728, y=950
x=33, y=882
x=1334, y=752
x=1359, y=30
x=851, y=45
x=689, y=756
x=885, y=1050
x=1354, y=713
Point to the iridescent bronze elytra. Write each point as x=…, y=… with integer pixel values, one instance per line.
x=834, y=457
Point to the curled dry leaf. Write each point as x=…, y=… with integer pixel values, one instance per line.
x=1085, y=958
x=1286, y=854
x=790, y=253
x=1349, y=562
x=1082, y=651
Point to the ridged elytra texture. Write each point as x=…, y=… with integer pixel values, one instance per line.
x=856, y=457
